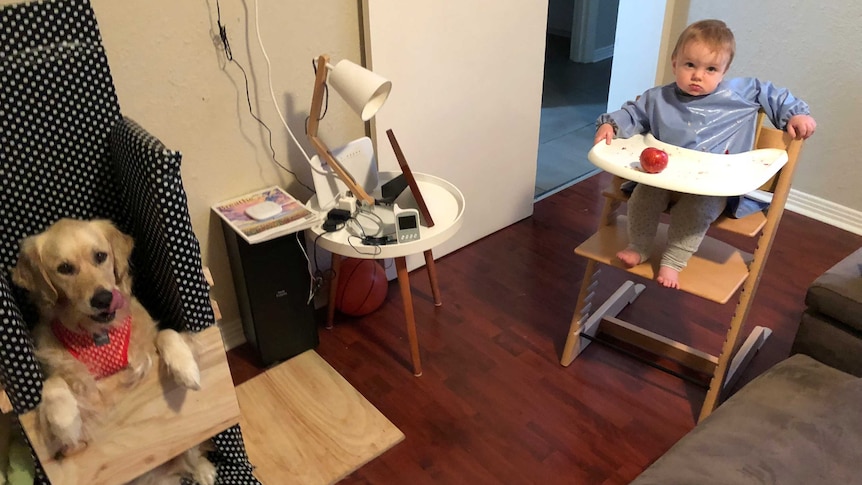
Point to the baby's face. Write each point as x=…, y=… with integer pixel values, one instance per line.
x=698, y=69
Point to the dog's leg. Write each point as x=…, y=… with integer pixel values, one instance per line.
x=179, y=358
x=59, y=410
x=202, y=471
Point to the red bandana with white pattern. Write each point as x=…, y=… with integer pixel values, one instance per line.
x=104, y=355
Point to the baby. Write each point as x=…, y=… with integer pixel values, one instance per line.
x=701, y=111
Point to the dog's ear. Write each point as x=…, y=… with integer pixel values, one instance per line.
x=29, y=273
x=121, y=246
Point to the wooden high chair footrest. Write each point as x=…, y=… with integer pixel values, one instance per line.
x=715, y=272
x=155, y=422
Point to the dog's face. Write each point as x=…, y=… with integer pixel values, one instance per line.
x=77, y=270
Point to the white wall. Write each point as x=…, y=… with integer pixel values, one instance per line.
x=466, y=99
x=815, y=50
x=636, y=49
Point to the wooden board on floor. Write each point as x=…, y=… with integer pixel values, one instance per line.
x=304, y=423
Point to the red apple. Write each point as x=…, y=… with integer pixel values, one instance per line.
x=653, y=160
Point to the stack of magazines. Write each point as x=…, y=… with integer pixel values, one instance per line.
x=294, y=215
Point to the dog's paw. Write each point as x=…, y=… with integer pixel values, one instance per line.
x=179, y=359
x=205, y=473
x=60, y=411
x=69, y=450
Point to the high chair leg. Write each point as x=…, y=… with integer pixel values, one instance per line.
x=585, y=323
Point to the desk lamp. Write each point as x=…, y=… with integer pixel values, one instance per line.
x=364, y=91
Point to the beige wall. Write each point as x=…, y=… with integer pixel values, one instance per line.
x=171, y=77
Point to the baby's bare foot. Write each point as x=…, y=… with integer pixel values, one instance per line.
x=668, y=277
x=629, y=257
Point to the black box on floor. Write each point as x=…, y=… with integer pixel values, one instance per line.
x=272, y=284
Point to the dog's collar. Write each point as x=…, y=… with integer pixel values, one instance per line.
x=103, y=354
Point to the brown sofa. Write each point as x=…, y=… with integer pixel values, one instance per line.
x=800, y=422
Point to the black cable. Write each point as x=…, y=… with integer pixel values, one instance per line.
x=324, y=276
x=222, y=31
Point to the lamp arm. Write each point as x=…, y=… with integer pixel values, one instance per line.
x=317, y=96
x=320, y=147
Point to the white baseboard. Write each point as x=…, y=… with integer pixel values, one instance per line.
x=231, y=333
x=825, y=211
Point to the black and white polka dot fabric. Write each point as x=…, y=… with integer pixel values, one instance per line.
x=66, y=151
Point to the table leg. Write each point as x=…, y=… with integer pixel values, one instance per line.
x=432, y=276
x=404, y=284
x=333, y=287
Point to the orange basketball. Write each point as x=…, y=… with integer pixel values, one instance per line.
x=362, y=287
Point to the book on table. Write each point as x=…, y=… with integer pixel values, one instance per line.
x=294, y=215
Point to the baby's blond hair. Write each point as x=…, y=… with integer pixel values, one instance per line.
x=713, y=33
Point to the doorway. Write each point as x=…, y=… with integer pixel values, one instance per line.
x=574, y=94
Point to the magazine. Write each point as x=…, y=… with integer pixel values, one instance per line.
x=294, y=215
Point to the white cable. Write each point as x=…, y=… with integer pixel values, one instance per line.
x=271, y=92
x=312, y=285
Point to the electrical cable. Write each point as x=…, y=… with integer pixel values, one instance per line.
x=269, y=78
x=316, y=280
x=229, y=56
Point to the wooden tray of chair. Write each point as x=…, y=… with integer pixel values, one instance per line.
x=157, y=421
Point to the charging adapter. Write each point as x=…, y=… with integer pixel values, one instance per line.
x=378, y=240
x=330, y=225
x=338, y=215
x=347, y=203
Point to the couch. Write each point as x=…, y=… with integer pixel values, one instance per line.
x=800, y=422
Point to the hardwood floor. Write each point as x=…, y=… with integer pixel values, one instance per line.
x=494, y=404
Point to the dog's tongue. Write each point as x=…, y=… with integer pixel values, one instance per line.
x=117, y=301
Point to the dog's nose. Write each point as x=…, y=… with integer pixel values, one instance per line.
x=101, y=300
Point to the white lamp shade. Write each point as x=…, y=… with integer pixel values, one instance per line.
x=363, y=90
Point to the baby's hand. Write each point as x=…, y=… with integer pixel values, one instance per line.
x=605, y=132
x=801, y=126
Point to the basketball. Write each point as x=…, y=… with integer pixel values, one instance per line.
x=362, y=287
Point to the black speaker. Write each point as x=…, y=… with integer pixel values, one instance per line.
x=272, y=285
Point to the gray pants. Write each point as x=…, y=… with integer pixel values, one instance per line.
x=690, y=217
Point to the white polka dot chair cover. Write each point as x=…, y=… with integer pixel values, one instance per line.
x=66, y=151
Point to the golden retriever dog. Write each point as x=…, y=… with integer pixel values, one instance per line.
x=90, y=326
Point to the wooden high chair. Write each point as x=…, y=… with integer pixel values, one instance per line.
x=715, y=273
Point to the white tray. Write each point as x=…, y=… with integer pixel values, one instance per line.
x=689, y=171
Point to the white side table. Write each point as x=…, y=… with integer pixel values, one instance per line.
x=446, y=205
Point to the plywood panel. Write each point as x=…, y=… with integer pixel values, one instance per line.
x=157, y=421
x=303, y=423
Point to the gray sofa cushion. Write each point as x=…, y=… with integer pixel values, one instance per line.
x=830, y=342
x=798, y=423
x=837, y=293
